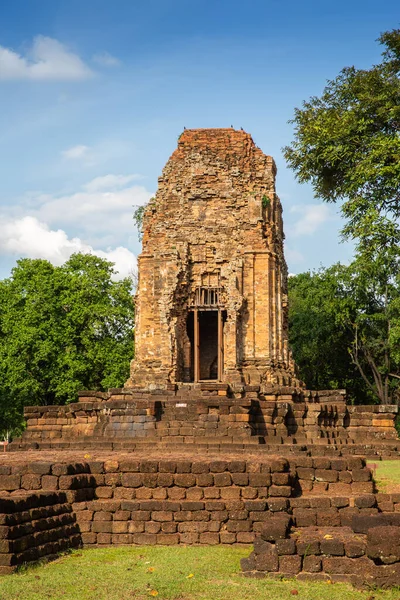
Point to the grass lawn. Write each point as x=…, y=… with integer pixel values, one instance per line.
x=180, y=573
x=386, y=475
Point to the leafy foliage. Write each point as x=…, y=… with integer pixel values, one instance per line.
x=347, y=142
x=265, y=201
x=138, y=218
x=62, y=329
x=344, y=327
x=347, y=145
x=318, y=334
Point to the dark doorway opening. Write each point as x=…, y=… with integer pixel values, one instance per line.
x=208, y=347
x=205, y=333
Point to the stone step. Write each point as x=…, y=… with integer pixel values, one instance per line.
x=335, y=554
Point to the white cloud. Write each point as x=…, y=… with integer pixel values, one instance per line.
x=96, y=219
x=105, y=59
x=125, y=261
x=76, y=152
x=99, y=214
x=31, y=238
x=312, y=216
x=47, y=60
x=108, y=182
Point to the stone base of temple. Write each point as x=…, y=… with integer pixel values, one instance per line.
x=213, y=415
x=207, y=464
x=147, y=377
x=314, y=518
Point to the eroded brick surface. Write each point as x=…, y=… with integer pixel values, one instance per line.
x=215, y=223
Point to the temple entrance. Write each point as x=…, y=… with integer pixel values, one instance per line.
x=208, y=346
x=205, y=332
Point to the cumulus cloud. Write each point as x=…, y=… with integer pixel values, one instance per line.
x=46, y=60
x=312, y=216
x=31, y=238
x=96, y=219
x=100, y=211
x=105, y=59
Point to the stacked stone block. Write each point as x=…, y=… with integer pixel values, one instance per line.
x=364, y=553
x=35, y=526
x=52, y=504
x=212, y=416
x=161, y=501
x=341, y=476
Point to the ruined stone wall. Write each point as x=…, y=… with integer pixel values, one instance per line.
x=210, y=418
x=215, y=221
x=35, y=525
x=132, y=500
x=365, y=552
x=310, y=517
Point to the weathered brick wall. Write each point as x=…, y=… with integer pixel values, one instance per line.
x=127, y=500
x=338, y=511
x=210, y=415
x=49, y=505
x=215, y=221
x=364, y=552
x=165, y=498
x=170, y=502
x=335, y=476
x=371, y=423
x=34, y=525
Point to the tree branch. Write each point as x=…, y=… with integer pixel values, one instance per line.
x=354, y=356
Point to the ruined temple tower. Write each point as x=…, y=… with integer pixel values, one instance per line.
x=211, y=303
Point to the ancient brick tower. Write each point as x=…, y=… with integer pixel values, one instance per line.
x=211, y=303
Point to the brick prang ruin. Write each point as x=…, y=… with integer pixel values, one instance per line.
x=215, y=224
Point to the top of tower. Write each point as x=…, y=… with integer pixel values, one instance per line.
x=217, y=136
x=220, y=141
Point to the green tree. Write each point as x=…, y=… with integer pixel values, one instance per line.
x=347, y=143
x=344, y=325
x=62, y=329
x=372, y=283
x=319, y=332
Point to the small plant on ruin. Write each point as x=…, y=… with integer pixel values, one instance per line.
x=138, y=218
x=265, y=201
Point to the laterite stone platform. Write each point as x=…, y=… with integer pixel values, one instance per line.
x=212, y=416
x=102, y=498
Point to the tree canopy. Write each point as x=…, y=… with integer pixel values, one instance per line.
x=319, y=340
x=347, y=144
x=62, y=329
x=344, y=329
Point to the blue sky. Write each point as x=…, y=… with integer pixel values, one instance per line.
x=94, y=94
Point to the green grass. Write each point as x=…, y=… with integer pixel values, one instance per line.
x=179, y=573
x=387, y=475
